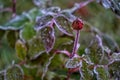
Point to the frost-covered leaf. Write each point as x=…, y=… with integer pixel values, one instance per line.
x=97, y=52
x=110, y=42
x=31, y=15
x=73, y=62
x=94, y=51
x=98, y=1
x=18, y=21
x=115, y=65
x=51, y=10
x=87, y=59
x=106, y=3
x=102, y=73
x=114, y=69
x=48, y=38
x=107, y=50
x=35, y=46
x=86, y=73
x=21, y=49
x=27, y=32
x=63, y=42
x=115, y=6
x=38, y=58
x=39, y=3
x=42, y=21
x=115, y=56
x=47, y=65
x=68, y=15
x=14, y=73
x=64, y=25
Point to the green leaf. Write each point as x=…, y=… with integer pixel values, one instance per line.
x=14, y=73
x=27, y=32
x=2, y=32
x=11, y=38
x=86, y=72
x=64, y=25
x=21, y=49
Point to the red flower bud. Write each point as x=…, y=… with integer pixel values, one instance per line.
x=77, y=24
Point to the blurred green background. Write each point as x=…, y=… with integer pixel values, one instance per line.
x=104, y=19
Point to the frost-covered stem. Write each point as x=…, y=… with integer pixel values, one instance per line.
x=52, y=23
x=75, y=43
x=80, y=5
x=14, y=7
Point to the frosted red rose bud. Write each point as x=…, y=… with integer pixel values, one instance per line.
x=77, y=24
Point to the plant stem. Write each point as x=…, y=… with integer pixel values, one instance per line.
x=14, y=7
x=5, y=10
x=68, y=74
x=75, y=44
x=74, y=50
